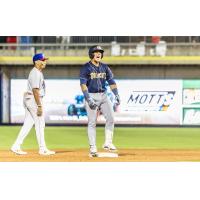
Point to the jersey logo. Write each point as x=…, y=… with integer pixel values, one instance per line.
x=94, y=75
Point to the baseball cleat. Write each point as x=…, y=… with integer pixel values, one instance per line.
x=93, y=154
x=93, y=151
x=46, y=152
x=110, y=147
x=18, y=151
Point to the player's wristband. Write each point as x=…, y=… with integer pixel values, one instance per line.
x=86, y=94
x=39, y=105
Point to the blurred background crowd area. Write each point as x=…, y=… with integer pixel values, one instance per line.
x=113, y=45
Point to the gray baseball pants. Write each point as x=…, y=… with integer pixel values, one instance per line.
x=106, y=108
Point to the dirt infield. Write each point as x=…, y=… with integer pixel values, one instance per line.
x=125, y=155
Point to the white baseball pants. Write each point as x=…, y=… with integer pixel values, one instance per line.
x=31, y=118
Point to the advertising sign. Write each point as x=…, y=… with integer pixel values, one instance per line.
x=150, y=101
x=191, y=116
x=142, y=102
x=191, y=102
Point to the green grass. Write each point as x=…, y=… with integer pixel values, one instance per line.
x=138, y=138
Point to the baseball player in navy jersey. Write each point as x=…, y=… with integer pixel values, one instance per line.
x=93, y=77
x=33, y=104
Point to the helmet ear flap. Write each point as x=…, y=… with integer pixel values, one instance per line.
x=91, y=55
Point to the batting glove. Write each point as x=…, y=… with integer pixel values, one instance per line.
x=92, y=103
x=117, y=99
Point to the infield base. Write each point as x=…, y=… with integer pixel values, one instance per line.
x=107, y=155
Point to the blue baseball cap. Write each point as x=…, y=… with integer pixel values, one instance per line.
x=39, y=56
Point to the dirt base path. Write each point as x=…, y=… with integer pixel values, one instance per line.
x=125, y=155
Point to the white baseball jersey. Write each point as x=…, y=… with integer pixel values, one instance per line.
x=36, y=80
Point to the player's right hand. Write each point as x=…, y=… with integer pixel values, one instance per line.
x=92, y=104
x=39, y=111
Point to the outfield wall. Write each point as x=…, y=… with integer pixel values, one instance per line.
x=144, y=102
x=120, y=71
x=134, y=72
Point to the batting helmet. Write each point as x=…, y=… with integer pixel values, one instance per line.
x=95, y=49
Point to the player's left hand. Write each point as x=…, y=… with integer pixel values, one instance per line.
x=117, y=99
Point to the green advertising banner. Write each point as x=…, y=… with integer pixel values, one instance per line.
x=191, y=102
x=191, y=116
x=192, y=84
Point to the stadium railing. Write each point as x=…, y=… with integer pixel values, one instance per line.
x=111, y=49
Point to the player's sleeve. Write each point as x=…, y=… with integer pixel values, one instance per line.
x=109, y=76
x=83, y=75
x=34, y=79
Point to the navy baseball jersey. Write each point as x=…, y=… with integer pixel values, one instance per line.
x=95, y=78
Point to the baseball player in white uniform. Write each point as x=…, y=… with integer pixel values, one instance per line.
x=34, y=112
